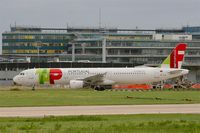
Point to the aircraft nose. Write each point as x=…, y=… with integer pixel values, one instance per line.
x=15, y=81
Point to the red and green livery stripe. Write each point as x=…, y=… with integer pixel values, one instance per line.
x=48, y=75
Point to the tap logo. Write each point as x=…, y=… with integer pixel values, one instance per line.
x=48, y=75
x=55, y=74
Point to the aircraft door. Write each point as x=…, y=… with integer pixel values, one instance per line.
x=66, y=78
x=31, y=78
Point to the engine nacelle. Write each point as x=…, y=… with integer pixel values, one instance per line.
x=75, y=84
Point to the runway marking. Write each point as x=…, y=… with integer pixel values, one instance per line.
x=98, y=110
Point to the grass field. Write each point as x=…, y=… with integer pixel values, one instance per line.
x=48, y=97
x=161, y=123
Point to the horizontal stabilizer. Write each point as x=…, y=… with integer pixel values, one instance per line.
x=175, y=71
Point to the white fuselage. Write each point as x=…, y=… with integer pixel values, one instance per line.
x=111, y=75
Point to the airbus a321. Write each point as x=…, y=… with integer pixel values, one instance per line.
x=101, y=77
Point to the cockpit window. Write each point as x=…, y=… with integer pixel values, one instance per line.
x=21, y=74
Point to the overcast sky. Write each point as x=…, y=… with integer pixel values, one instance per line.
x=114, y=13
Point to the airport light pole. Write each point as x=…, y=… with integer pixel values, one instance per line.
x=104, y=49
x=73, y=43
x=73, y=52
x=38, y=53
x=38, y=50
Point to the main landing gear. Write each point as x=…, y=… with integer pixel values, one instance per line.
x=99, y=88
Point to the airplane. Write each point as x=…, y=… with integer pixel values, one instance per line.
x=99, y=78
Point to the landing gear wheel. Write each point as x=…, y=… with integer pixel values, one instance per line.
x=99, y=88
x=33, y=88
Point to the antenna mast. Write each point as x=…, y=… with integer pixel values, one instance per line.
x=99, y=18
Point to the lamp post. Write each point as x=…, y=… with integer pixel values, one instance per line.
x=38, y=50
x=74, y=38
x=38, y=53
x=104, y=50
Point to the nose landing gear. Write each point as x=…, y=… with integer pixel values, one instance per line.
x=33, y=87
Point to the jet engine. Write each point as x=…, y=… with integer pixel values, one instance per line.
x=75, y=84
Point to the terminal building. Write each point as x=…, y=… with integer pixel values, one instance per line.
x=101, y=45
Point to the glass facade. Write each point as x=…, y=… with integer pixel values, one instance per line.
x=32, y=43
x=120, y=47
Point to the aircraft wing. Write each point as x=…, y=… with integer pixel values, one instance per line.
x=175, y=71
x=143, y=66
x=94, y=79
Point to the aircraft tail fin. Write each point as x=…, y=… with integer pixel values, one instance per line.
x=175, y=59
